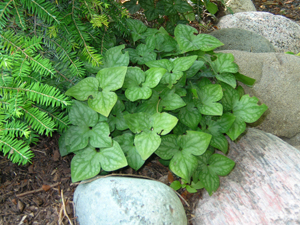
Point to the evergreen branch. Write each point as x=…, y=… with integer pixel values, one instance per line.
x=43, y=94
x=15, y=129
x=19, y=16
x=17, y=150
x=88, y=51
x=42, y=9
x=61, y=119
x=39, y=121
x=38, y=63
x=4, y=10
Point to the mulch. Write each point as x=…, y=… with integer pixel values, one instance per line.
x=41, y=193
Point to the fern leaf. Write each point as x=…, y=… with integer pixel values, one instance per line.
x=15, y=129
x=39, y=121
x=17, y=150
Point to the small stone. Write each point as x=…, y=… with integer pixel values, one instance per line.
x=122, y=200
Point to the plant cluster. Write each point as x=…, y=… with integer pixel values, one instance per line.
x=173, y=97
x=170, y=12
x=46, y=47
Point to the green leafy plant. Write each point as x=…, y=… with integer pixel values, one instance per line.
x=173, y=97
x=45, y=47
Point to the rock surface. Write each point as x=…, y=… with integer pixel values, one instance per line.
x=239, y=6
x=278, y=86
x=243, y=40
x=263, y=188
x=123, y=200
x=282, y=32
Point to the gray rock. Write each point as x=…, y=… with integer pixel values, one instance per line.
x=239, y=6
x=243, y=40
x=282, y=32
x=278, y=86
x=263, y=188
x=123, y=200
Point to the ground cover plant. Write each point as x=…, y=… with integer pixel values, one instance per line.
x=45, y=48
x=169, y=96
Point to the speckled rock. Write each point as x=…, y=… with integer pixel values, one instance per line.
x=278, y=86
x=128, y=201
x=282, y=32
x=263, y=188
x=239, y=6
x=243, y=40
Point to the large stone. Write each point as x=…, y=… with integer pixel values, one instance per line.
x=243, y=40
x=278, y=86
x=282, y=32
x=263, y=188
x=235, y=6
x=122, y=200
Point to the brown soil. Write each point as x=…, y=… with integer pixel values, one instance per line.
x=42, y=193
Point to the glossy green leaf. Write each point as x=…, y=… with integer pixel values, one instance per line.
x=85, y=165
x=227, y=78
x=162, y=63
x=99, y=135
x=187, y=41
x=146, y=143
x=138, y=122
x=194, y=69
x=103, y=102
x=153, y=76
x=163, y=123
x=115, y=58
x=237, y=128
x=210, y=180
x=184, y=63
x=183, y=164
x=82, y=115
x=145, y=53
x=111, y=79
x=136, y=93
x=84, y=88
x=220, y=164
x=230, y=97
x=208, y=97
x=112, y=158
x=171, y=101
x=248, y=109
x=168, y=147
x=151, y=41
x=171, y=78
x=176, y=185
x=190, y=189
x=126, y=142
x=134, y=77
x=211, y=7
x=190, y=116
x=224, y=63
x=244, y=79
x=77, y=138
x=194, y=142
x=137, y=28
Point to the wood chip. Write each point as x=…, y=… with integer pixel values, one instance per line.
x=20, y=206
x=46, y=187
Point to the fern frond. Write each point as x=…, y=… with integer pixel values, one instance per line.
x=15, y=129
x=14, y=43
x=19, y=18
x=61, y=119
x=39, y=121
x=17, y=150
x=43, y=9
x=4, y=12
